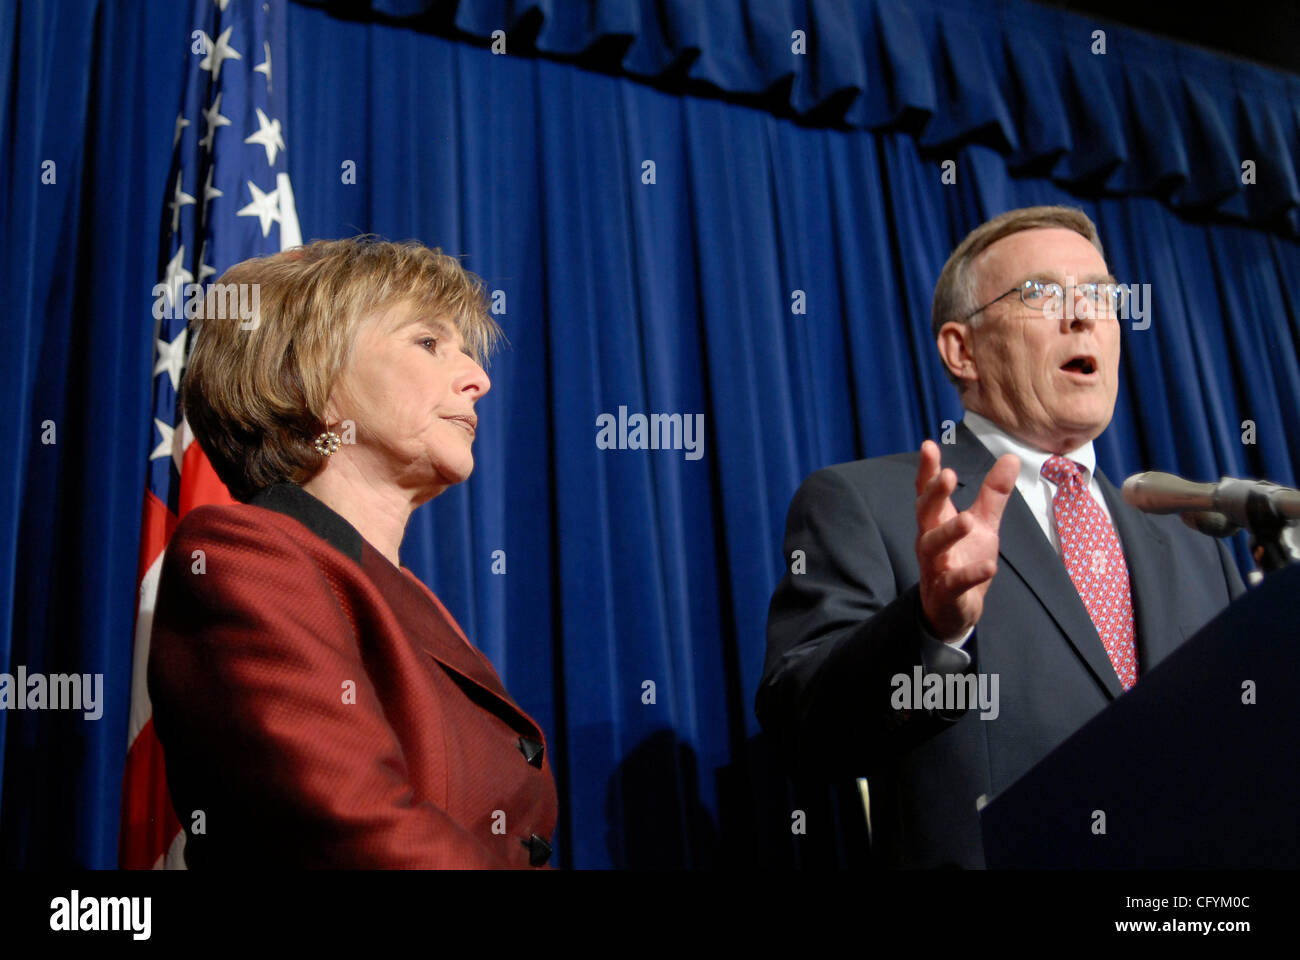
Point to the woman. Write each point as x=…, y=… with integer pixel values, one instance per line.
x=318, y=706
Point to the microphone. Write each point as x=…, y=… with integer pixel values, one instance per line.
x=1219, y=509
x=1211, y=523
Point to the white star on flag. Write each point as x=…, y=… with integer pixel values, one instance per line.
x=215, y=119
x=179, y=199
x=264, y=206
x=176, y=276
x=171, y=357
x=218, y=52
x=209, y=193
x=181, y=124
x=164, y=448
x=268, y=135
x=265, y=66
x=205, y=271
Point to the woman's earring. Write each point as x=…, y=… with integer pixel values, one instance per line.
x=327, y=443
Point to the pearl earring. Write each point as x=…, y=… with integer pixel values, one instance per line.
x=327, y=443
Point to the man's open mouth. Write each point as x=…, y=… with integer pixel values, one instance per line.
x=1081, y=364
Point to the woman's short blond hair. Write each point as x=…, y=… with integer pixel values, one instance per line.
x=955, y=293
x=255, y=393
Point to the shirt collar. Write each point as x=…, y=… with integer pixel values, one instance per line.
x=998, y=442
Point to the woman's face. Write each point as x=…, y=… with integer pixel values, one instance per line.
x=411, y=391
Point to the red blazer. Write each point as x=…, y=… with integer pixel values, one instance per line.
x=323, y=709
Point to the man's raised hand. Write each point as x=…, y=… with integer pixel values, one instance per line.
x=957, y=552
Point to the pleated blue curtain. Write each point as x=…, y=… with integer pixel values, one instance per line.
x=774, y=277
x=91, y=92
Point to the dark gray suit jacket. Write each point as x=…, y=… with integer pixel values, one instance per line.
x=840, y=631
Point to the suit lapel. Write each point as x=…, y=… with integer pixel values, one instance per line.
x=437, y=634
x=1154, y=619
x=408, y=597
x=1026, y=551
x=441, y=639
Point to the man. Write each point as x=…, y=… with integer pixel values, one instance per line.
x=1015, y=569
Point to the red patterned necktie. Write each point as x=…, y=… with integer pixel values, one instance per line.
x=1095, y=562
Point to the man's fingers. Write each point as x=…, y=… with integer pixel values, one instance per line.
x=930, y=506
x=928, y=465
x=996, y=491
x=953, y=583
x=938, y=539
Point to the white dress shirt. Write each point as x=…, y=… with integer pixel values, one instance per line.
x=1037, y=491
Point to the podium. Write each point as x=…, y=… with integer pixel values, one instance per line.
x=1186, y=774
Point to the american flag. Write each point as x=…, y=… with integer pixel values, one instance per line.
x=228, y=199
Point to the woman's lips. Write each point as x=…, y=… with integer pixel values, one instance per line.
x=470, y=424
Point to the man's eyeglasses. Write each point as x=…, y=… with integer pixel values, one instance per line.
x=1104, y=299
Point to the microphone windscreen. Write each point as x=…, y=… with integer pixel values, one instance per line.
x=1210, y=522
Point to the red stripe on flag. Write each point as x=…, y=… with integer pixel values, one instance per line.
x=156, y=526
x=199, y=482
x=148, y=824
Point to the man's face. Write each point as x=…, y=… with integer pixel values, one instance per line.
x=1030, y=379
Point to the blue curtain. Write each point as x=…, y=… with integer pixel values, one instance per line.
x=779, y=180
